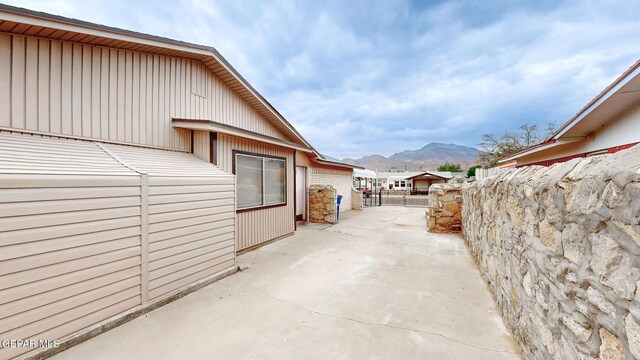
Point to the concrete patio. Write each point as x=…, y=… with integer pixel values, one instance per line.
x=377, y=285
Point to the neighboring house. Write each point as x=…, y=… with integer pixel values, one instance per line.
x=397, y=180
x=132, y=167
x=421, y=182
x=607, y=124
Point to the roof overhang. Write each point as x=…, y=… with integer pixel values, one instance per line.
x=427, y=175
x=619, y=96
x=213, y=126
x=22, y=21
x=540, y=147
x=364, y=173
x=336, y=163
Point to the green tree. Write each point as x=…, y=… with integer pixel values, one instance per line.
x=472, y=170
x=450, y=167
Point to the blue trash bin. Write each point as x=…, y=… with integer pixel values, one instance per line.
x=338, y=212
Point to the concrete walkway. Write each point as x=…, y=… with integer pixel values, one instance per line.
x=375, y=286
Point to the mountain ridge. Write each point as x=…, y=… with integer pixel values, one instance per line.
x=429, y=157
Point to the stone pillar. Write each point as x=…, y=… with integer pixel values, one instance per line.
x=445, y=208
x=322, y=204
x=356, y=199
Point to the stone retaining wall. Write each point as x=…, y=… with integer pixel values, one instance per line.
x=444, y=212
x=559, y=250
x=356, y=199
x=322, y=204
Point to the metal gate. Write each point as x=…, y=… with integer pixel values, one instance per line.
x=397, y=198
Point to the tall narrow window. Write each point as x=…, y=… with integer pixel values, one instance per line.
x=261, y=181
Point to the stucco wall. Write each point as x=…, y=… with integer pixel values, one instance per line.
x=342, y=180
x=559, y=250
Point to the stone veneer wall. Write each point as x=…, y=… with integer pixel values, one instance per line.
x=444, y=213
x=322, y=204
x=559, y=250
x=356, y=199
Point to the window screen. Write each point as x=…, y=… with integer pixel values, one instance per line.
x=249, y=180
x=274, y=179
x=260, y=181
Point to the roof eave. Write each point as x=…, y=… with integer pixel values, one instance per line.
x=540, y=147
x=335, y=163
x=603, y=96
x=43, y=19
x=213, y=126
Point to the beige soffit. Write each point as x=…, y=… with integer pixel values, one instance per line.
x=539, y=148
x=339, y=164
x=214, y=126
x=16, y=20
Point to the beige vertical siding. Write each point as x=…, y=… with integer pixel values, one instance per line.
x=302, y=159
x=89, y=231
x=201, y=145
x=110, y=94
x=258, y=226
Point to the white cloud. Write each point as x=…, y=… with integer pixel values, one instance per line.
x=388, y=76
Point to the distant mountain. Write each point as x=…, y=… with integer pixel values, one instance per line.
x=428, y=158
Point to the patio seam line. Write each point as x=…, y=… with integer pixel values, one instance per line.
x=362, y=263
x=345, y=233
x=369, y=323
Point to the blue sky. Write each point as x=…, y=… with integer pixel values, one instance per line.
x=378, y=77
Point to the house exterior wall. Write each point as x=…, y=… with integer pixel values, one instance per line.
x=258, y=226
x=623, y=130
x=190, y=214
x=302, y=159
x=95, y=92
x=341, y=179
x=115, y=237
x=66, y=88
x=424, y=184
x=201, y=145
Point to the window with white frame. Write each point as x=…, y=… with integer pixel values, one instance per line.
x=260, y=181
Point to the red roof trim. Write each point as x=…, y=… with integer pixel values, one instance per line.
x=598, y=97
x=548, y=142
